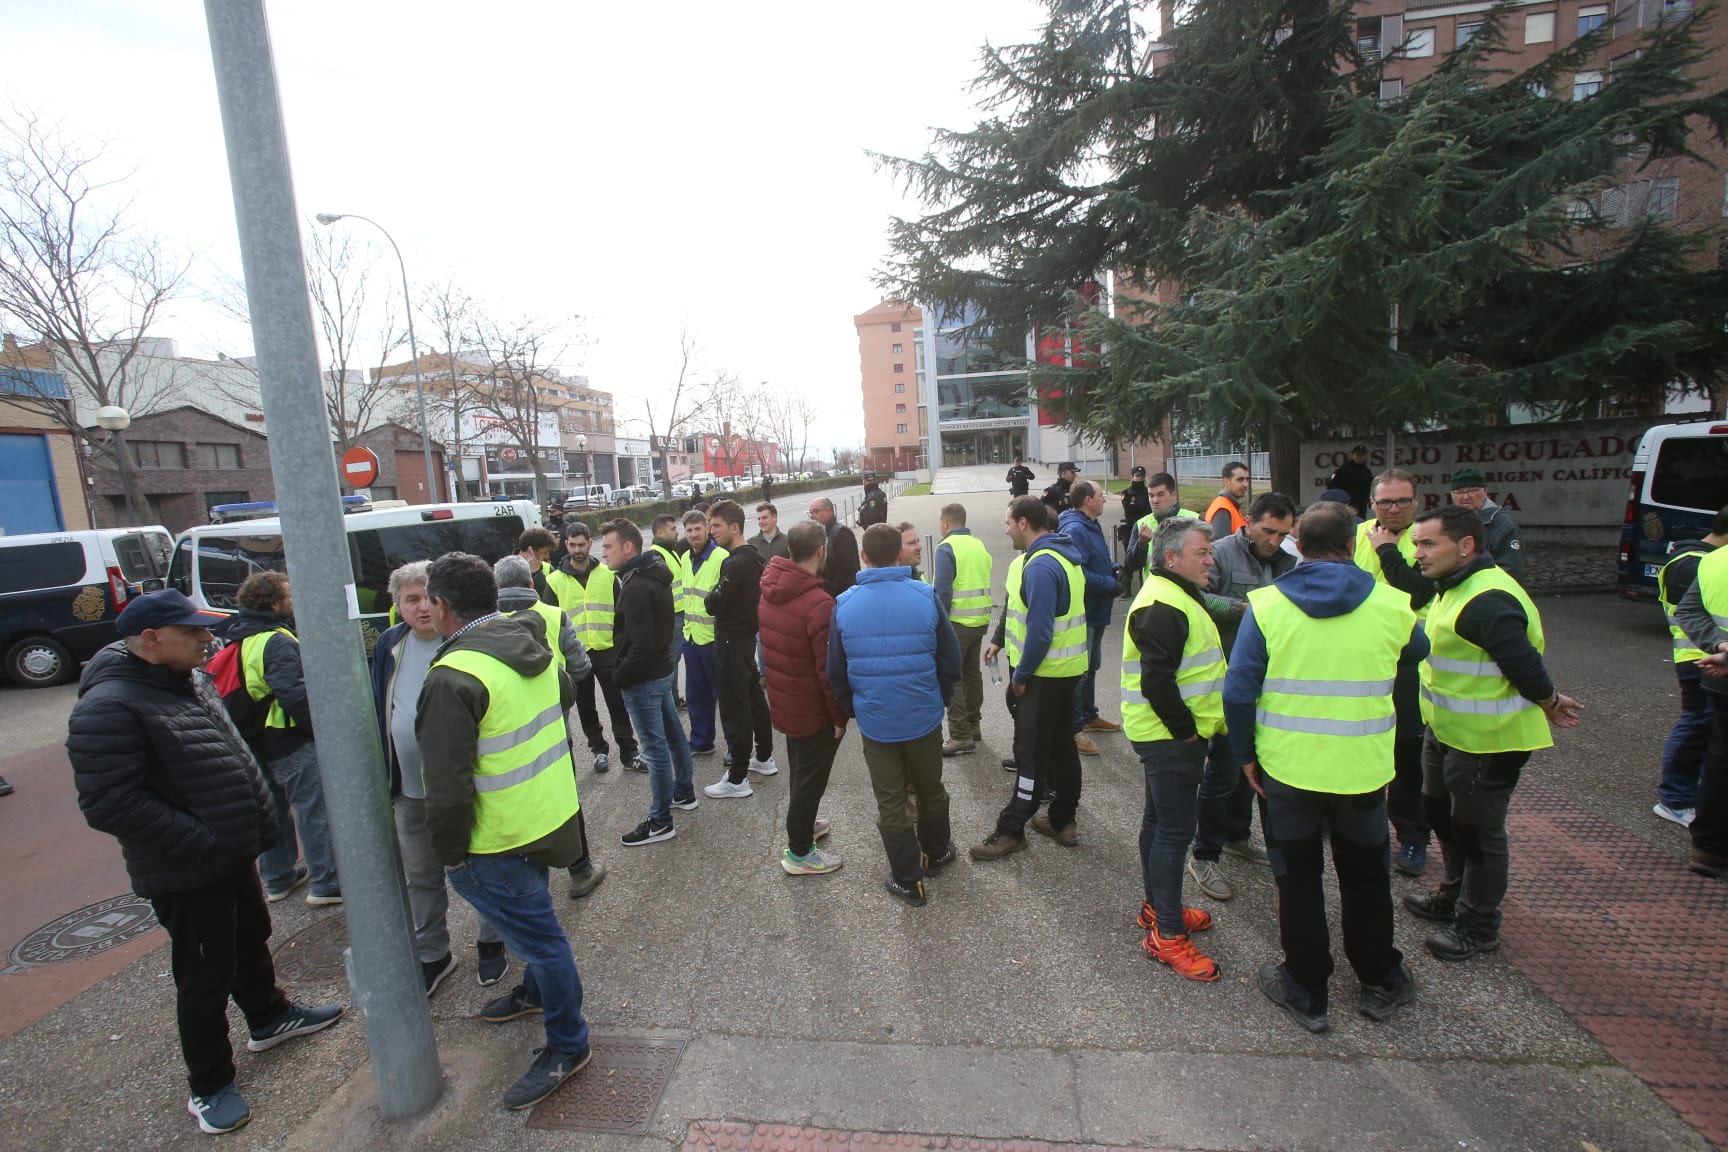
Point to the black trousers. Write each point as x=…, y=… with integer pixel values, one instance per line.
x=1297, y=823
x=1404, y=796
x=1044, y=753
x=219, y=947
x=809, y=760
x=744, y=716
x=1710, y=817
x=615, y=710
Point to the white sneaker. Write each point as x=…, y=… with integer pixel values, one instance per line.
x=820, y=828
x=724, y=789
x=1680, y=816
x=764, y=767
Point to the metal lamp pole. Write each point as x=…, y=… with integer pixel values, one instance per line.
x=116, y=420
x=329, y=218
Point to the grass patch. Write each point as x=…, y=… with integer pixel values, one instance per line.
x=914, y=490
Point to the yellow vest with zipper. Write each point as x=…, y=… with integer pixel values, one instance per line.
x=554, y=620
x=1685, y=652
x=675, y=565
x=972, y=567
x=252, y=662
x=1199, y=677
x=1325, y=721
x=1466, y=699
x=1066, y=655
x=698, y=625
x=524, y=780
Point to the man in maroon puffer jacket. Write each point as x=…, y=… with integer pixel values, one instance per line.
x=794, y=614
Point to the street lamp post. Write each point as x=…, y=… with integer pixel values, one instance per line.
x=116, y=420
x=329, y=218
x=582, y=447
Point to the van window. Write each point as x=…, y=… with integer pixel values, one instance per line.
x=31, y=566
x=224, y=562
x=142, y=556
x=1691, y=472
x=379, y=552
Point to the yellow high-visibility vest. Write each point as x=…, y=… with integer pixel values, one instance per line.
x=698, y=625
x=1067, y=653
x=1685, y=652
x=1466, y=699
x=972, y=571
x=1199, y=676
x=252, y=662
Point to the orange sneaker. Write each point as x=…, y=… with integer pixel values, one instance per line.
x=1193, y=919
x=1179, y=952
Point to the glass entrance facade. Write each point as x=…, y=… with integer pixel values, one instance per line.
x=994, y=447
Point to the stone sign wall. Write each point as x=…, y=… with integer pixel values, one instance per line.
x=1564, y=483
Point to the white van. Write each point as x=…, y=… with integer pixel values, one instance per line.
x=212, y=561
x=60, y=593
x=1679, y=483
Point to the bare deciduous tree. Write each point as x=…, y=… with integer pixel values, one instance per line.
x=518, y=370
x=78, y=284
x=351, y=305
x=451, y=392
x=679, y=411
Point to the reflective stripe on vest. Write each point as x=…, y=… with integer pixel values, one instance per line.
x=971, y=608
x=1713, y=585
x=1199, y=674
x=698, y=625
x=1325, y=720
x=1067, y=653
x=524, y=781
x=1466, y=699
x=554, y=620
x=673, y=566
x=1368, y=558
x=1684, y=650
x=252, y=664
x=599, y=609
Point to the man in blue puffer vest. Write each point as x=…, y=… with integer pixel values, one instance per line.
x=893, y=662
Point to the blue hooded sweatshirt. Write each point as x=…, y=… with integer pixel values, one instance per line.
x=1322, y=589
x=1088, y=536
x=893, y=659
x=1044, y=587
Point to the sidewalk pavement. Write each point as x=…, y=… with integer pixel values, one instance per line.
x=1015, y=1006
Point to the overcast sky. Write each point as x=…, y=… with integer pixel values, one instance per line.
x=643, y=166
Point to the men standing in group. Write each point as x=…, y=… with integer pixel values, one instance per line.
x=1020, y=479
x=643, y=673
x=1172, y=706
x=796, y=615
x=1683, y=754
x=1252, y=558
x=1056, y=496
x=536, y=546
x=1080, y=524
x=276, y=683
x=501, y=800
x=1308, y=702
x=400, y=661
x=1701, y=614
x=840, y=571
x=1505, y=541
x=584, y=588
x=769, y=541
x=1225, y=511
x=1386, y=551
x=1046, y=634
x=1488, y=701
x=893, y=661
x=701, y=574
x=674, y=552
x=1354, y=479
x=159, y=767
x=873, y=509
x=962, y=583
x=731, y=605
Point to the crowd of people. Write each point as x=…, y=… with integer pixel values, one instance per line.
x=1350, y=679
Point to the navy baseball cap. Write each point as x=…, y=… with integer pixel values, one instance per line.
x=1066, y=466
x=165, y=609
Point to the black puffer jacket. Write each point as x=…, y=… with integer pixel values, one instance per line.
x=160, y=767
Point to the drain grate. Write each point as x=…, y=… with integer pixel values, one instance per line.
x=89, y=931
x=314, y=955
x=619, y=1091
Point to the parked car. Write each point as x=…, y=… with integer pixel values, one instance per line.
x=61, y=591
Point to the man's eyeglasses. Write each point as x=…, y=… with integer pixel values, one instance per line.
x=1401, y=502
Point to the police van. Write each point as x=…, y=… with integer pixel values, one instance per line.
x=211, y=561
x=1679, y=483
x=60, y=593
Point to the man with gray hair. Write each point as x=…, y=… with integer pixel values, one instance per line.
x=840, y=570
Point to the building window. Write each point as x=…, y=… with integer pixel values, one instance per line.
x=898, y=349
x=212, y=499
x=899, y=387
x=1391, y=90
x=216, y=455
x=1539, y=28
x=894, y=327
x=899, y=427
x=899, y=367
x=382, y=492
x=1586, y=84
x=1421, y=43
x=157, y=453
x=899, y=407
x=1466, y=32
x=1591, y=17
x=1664, y=202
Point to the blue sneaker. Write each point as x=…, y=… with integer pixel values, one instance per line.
x=1412, y=859
x=222, y=1111
x=294, y=1020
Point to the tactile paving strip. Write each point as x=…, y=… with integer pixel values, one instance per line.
x=1630, y=944
x=619, y=1091
x=719, y=1136
x=314, y=955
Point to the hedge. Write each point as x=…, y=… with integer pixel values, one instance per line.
x=643, y=514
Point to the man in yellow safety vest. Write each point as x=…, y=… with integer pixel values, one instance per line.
x=962, y=581
x=1683, y=754
x=587, y=592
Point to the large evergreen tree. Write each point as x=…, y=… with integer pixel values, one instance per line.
x=1322, y=259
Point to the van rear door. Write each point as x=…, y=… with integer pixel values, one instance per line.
x=1685, y=484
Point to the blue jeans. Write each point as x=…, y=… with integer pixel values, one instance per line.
x=1085, y=692
x=1683, y=754
x=511, y=894
x=1174, y=769
x=677, y=648
x=297, y=788
x=654, y=714
x=701, y=693
x=1226, y=801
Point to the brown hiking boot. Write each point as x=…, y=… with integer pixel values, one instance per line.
x=1099, y=724
x=959, y=747
x=1067, y=836
x=996, y=845
x=1084, y=746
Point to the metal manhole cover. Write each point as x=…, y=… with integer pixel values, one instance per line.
x=89, y=931
x=619, y=1091
x=314, y=954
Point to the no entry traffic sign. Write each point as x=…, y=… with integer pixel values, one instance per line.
x=359, y=467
